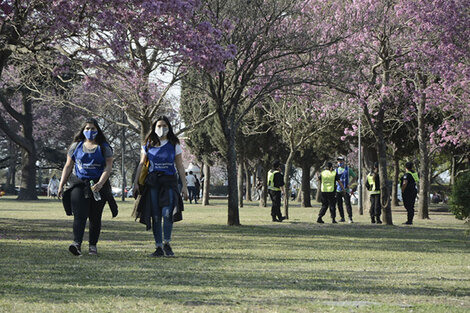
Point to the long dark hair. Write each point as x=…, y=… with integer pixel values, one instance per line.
x=153, y=139
x=100, y=138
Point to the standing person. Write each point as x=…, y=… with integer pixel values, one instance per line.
x=327, y=178
x=191, y=183
x=53, y=187
x=344, y=173
x=160, y=195
x=276, y=189
x=90, y=157
x=409, y=191
x=373, y=185
x=197, y=186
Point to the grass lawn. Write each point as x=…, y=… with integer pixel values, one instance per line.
x=294, y=266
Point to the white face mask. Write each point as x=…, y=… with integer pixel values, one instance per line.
x=161, y=131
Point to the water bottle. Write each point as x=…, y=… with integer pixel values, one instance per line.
x=96, y=194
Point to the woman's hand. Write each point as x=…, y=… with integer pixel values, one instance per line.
x=135, y=190
x=60, y=192
x=184, y=192
x=97, y=187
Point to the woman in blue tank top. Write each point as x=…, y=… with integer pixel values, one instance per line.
x=90, y=158
x=164, y=153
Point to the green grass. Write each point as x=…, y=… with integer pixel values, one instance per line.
x=294, y=266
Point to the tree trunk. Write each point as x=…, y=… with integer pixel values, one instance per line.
x=423, y=204
x=247, y=183
x=305, y=186
x=206, y=170
x=28, y=155
x=255, y=182
x=240, y=183
x=11, y=173
x=287, y=183
x=396, y=172
x=318, y=194
x=233, y=218
x=453, y=170
x=264, y=189
x=384, y=191
x=28, y=176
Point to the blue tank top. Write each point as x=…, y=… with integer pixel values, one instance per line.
x=343, y=173
x=88, y=165
x=161, y=159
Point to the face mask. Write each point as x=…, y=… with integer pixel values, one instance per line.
x=90, y=134
x=161, y=131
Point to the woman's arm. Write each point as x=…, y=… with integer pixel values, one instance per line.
x=180, y=168
x=143, y=158
x=65, y=175
x=105, y=175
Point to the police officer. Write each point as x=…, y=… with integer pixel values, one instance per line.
x=373, y=185
x=275, y=189
x=328, y=177
x=344, y=173
x=409, y=191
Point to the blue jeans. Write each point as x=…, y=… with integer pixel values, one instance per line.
x=192, y=193
x=157, y=214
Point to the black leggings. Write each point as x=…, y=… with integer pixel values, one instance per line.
x=84, y=209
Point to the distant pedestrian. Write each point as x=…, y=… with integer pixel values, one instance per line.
x=409, y=191
x=90, y=157
x=373, y=185
x=345, y=173
x=197, y=185
x=53, y=187
x=191, y=183
x=276, y=190
x=327, y=179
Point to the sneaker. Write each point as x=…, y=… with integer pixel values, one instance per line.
x=334, y=221
x=283, y=218
x=379, y=221
x=350, y=221
x=158, y=252
x=275, y=220
x=342, y=220
x=75, y=249
x=92, y=250
x=167, y=249
x=408, y=223
x=372, y=220
x=320, y=221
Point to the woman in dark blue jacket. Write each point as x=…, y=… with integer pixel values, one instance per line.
x=90, y=158
x=161, y=192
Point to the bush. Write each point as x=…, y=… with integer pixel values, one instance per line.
x=460, y=198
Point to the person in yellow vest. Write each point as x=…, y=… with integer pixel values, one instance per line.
x=275, y=190
x=409, y=191
x=373, y=185
x=328, y=179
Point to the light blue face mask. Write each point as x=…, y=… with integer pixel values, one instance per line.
x=90, y=134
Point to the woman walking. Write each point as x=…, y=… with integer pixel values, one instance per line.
x=160, y=196
x=88, y=166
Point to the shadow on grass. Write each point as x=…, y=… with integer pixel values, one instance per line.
x=52, y=276
x=214, y=261
x=301, y=235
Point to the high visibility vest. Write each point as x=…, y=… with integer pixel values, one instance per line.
x=328, y=181
x=371, y=181
x=271, y=180
x=415, y=176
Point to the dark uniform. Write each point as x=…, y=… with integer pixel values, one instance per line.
x=410, y=193
x=275, y=181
